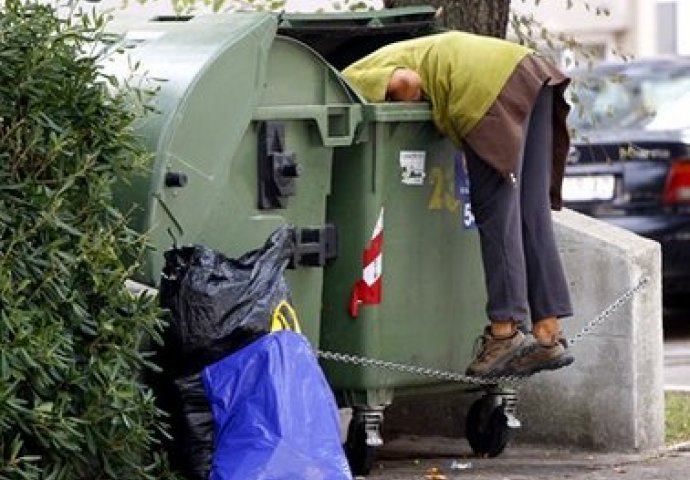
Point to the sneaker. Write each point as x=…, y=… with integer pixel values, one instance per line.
x=535, y=357
x=495, y=353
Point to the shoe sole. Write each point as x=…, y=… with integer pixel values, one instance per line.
x=504, y=369
x=552, y=364
x=501, y=368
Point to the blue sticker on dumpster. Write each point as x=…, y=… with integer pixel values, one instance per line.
x=462, y=190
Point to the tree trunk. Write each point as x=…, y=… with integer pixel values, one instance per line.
x=487, y=17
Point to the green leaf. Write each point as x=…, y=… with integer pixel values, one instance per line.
x=67, y=356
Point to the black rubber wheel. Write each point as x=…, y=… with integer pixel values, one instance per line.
x=360, y=456
x=487, y=428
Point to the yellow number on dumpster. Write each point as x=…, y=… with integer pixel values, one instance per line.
x=443, y=190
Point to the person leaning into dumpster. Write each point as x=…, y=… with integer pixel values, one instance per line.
x=503, y=104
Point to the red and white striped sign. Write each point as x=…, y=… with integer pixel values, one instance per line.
x=368, y=290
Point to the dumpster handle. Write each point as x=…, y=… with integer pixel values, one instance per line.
x=336, y=123
x=167, y=210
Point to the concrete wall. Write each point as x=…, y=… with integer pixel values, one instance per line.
x=611, y=398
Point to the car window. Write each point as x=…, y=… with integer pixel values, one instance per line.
x=646, y=98
x=672, y=115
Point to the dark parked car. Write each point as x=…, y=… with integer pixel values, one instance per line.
x=630, y=160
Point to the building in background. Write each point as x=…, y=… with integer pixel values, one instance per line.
x=640, y=28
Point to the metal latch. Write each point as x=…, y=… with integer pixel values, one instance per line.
x=278, y=169
x=315, y=246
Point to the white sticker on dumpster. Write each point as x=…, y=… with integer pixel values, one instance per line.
x=412, y=167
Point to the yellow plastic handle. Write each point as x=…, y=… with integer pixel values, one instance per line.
x=280, y=321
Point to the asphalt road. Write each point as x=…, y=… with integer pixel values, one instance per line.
x=677, y=348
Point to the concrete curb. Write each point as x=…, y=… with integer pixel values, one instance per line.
x=621, y=406
x=683, y=389
x=680, y=447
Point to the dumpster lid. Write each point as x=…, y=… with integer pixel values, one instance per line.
x=342, y=38
x=386, y=17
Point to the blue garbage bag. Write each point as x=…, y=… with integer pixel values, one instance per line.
x=274, y=414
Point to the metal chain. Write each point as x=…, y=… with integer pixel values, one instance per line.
x=411, y=369
x=479, y=381
x=599, y=320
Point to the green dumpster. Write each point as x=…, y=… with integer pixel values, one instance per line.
x=255, y=128
x=243, y=138
x=431, y=300
x=407, y=285
x=415, y=295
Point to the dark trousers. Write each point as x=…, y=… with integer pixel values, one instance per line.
x=523, y=270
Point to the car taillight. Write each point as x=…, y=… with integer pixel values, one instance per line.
x=677, y=188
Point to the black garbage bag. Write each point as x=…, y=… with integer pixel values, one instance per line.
x=215, y=306
x=218, y=304
x=191, y=425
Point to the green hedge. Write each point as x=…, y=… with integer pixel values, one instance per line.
x=72, y=405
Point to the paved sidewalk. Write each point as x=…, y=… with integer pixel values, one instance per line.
x=412, y=458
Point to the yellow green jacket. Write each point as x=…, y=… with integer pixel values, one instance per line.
x=462, y=74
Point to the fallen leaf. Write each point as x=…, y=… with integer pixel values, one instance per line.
x=435, y=474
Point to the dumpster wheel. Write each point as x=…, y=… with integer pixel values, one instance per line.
x=363, y=439
x=489, y=424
